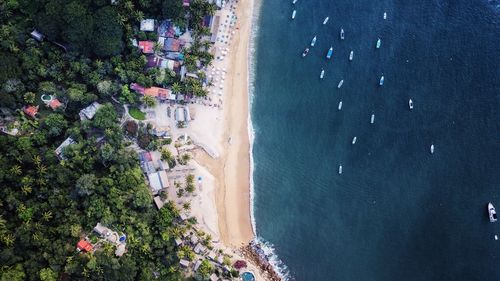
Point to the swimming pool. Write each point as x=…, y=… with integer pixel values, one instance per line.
x=247, y=276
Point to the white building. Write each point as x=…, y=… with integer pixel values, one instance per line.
x=148, y=25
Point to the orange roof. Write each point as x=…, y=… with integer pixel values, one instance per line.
x=31, y=110
x=156, y=92
x=83, y=245
x=54, y=104
x=146, y=47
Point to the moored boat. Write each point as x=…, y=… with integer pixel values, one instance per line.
x=340, y=105
x=432, y=148
x=326, y=20
x=372, y=120
x=342, y=34
x=305, y=52
x=340, y=169
x=322, y=74
x=381, y=82
x=313, y=41
x=354, y=140
x=294, y=1
x=341, y=82
x=329, y=54
x=293, y=14
x=492, y=213
x=385, y=15
x=379, y=42
x=351, y=55
x=410, y=104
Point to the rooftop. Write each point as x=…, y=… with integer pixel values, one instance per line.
x=60, y=149
x=54, y=104
x=84, y=245
x=147, y=47
x=31, y=110
x=89, y=111
x=148, y=25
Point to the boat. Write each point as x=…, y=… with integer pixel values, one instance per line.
x=410, y=104
x=322, y=74
x=326, y=20
x=385, y=15
x=432, y=148
x=329, y=54
x=378, y=43
x=381, y=82
x=313, y=41
x=351, y=55
x=340, y=105
x=294, y=1
x=372, y=120
x=305, y=52
x=342, y=34
x=354, y=140
x=293, y=14
x=492, y=213
x=340, y=169
x=341, y=82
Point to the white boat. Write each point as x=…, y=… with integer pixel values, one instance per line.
x=340, y=169
x=410, y=104
x=293, y=14
x=341, y=82
x=381, y=82
x=385, y=15
x=372, y=120
x=341, y=33
x=313, y=41
x=329, y=54
x=351, y=55
x=305, y=52
x=354, y=140
x=378, y=43
x=492, y=213
x=294, y=1
x=322, y=74
x=340, y=105
x=326, y=20
x=432, y=148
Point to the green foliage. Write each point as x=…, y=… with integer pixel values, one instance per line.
x=107, y=36
x=136, y=113
x=105, y=117
x=55, y=124
x=48, y=274
x=14, y=273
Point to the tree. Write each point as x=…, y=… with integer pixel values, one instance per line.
x=149, y=101
x=55, y=124
x=104, y=87
x=105, y=117
x=14, y=273
x=205, y=269
x=176, y=88
x=127, y=96
x=86, y=185
x=78, y=26
x=47, y=274
x=29, y=97
x=107, y=36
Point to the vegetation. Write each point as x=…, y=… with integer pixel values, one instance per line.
x=136, y=113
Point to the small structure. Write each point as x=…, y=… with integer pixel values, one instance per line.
x=54, y=104
x=197, y=265
x=37, y=35
x=194, y=239
x=102, y=230
x=120, y=250
x=172, y=45
x=148, y=25
x=88, y=112
x=199, y=248
x=158, y=202
x=214, y=277
x=31, y=111
x=212, y=255
x=158, y=181
x=184, y=263
x=60, y=149
x=147, y=47
x=185, y=3
x=84, y=245
x=178, y=241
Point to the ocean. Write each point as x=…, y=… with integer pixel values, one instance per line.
x=397, y=212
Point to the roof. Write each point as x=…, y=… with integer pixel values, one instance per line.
x=120, y=250
x=158, y=181
x=54, y=104
x=30, y=110
x=214, y=277
x=157, y=92
x=148, y=25
x=138, y=88
x=60, y=149
x=145, y=156
x=199, y=248
x=37, y=35
x=84, y=245
x=147, y=47
x=178, y=241
x=172, y=45
x=206, y=21
x=101, y=229
x=185, y=3
x=166, y=29
x=158, y=202
x=197, y=265
x=89, y=111
x=184, y=263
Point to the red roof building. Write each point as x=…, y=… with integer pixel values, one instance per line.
x=31, y=110
x=147, y=47
x=84, y=245
x=54, y=104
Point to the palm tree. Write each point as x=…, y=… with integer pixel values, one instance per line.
x=176, y=88
x=149, y=101
x=16, y=170
x=186, y=206
x=47, y=215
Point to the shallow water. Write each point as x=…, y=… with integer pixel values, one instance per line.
x=396, y=212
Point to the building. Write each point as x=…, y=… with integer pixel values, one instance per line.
x=88, y=112
x=54, y=104
x=172, y=45
x=31, y=111
x=37, y=35
x=120, y=250
x=158, y=181
x=102, y=230
x=199, y=248
x=178, y=241
x=60, y=149
x=158, y=202
x=214, y=277
x=84, y=245
x=147, y=47
x=197, y=265
x=148, y=25
x=185, y=3
x=184, y=263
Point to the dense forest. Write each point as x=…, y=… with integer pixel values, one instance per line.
x=46, y=204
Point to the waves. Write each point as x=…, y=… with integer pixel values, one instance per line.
x=267, y=251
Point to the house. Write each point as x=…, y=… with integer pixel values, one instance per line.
x=179, y=114
x=185, y=3
x=147, y=47
x=159, y=93
x=174, y=56
x=84, y=245
x=194, y=239
x=37, y=35
x=199, y=248
x=158, y=202
x=212, y=255
x=60, y=149
x=214, y=277
x=54, y=104
x=172, y=45
x=120, y=250
x=137, y=88
x=184, y=263
x=158, y=181
x=197, y=265
x=31, y=110
x=168, y=30
x=148, y=25
x=88, y=112
x=178, y=241
x=102, y=230
x=183, y=216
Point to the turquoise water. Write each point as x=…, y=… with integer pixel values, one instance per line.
x=396, y=212
x=247, y=276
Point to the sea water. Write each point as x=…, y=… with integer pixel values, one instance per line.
x=396, y=212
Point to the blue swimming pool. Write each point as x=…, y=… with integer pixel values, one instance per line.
x=247, y=276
